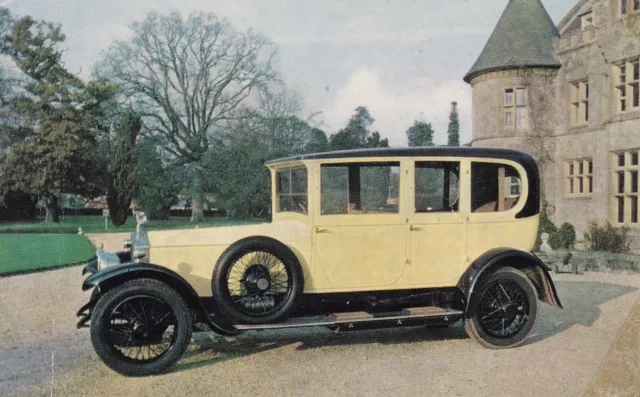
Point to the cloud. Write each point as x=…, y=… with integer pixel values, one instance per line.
x=405, y=36
x=395, y=108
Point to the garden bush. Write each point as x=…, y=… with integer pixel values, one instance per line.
x=607, y=238
x=566, y=236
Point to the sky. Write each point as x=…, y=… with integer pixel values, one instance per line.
x=402, y=59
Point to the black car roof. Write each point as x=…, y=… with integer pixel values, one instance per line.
x=432, y=151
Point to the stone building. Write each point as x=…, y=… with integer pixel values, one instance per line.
x=569, y=95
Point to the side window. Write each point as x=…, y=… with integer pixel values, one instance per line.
x=437, y=186
x=494, y=187
x=370, y=188
x=291, y=190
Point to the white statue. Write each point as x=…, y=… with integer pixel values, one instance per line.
x=545, y=247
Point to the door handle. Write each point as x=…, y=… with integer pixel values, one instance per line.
x=321, y=230
x=414, y=228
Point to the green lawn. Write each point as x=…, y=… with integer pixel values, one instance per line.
x=95, y=224
x=30, y=246
x=29, y=252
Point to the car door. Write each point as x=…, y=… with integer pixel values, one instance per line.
x=360, y=235
x=437, y=227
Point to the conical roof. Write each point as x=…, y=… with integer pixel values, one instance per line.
x=522, y=38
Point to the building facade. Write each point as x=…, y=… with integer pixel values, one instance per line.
x=570, y=96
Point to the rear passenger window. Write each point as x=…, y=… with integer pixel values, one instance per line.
x=437, y=186
x=494, y=187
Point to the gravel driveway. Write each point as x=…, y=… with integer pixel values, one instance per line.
x=42, y=353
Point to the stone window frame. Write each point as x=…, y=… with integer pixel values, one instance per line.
x=578, y=176
x=626, y=187
x=627, y=7
x=626, y=80
x=587, y=20
x=579, y=102
x=515, y=106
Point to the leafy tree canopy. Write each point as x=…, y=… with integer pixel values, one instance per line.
x=52, y=144
x=420, y=134
x=357, y=133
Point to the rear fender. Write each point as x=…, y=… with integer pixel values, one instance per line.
x=117, y=275
x=526, y=262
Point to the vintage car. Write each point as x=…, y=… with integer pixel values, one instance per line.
x=359, y=239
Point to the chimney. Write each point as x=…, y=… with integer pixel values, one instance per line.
x=454, y=107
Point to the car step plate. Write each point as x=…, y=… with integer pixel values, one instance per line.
x=424, y=310
x=352, y=318
x=349, y=316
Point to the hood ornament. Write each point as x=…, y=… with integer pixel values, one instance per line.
x=141, y=219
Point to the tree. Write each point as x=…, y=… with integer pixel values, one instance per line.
x=187, y=76
x=357, y=134
x=420, y=134
x=122, y=180
x=453, y=131
x=51, y=147
x=318, y=142
x=156, y=190
x=374, y=141
x=271, y=129
x=242, y=181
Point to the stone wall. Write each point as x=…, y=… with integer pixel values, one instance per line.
x=591, y=261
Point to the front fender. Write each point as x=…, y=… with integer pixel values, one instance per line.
x=526, y=262
x=117, y=275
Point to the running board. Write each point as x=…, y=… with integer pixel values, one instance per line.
x=414, y=316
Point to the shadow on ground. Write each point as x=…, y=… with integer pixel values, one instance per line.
x=580, y=299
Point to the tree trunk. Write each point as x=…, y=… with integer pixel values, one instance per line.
x=51, y=210
x=197, y=196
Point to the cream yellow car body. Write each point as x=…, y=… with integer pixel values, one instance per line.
x=363, y=252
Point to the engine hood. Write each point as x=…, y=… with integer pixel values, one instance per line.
x=285, y=231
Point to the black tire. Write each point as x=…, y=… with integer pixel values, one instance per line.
x=503, y=309
x=139, y=316
x=257, y=280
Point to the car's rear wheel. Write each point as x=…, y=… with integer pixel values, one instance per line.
x=141, y=327
x=502, y=310
x=257, y=280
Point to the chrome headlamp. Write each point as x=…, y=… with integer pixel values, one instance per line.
x=106, y=259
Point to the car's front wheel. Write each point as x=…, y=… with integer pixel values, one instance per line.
x=141, y=327
x=502, y=310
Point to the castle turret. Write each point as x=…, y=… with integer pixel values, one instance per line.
x=513, y=80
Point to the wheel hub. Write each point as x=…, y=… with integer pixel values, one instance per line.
x=257, y=279
x=140, y=330
x=263, y=284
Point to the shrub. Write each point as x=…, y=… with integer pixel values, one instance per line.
x=607, y=238
x=566, y=236
x=546, y=226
